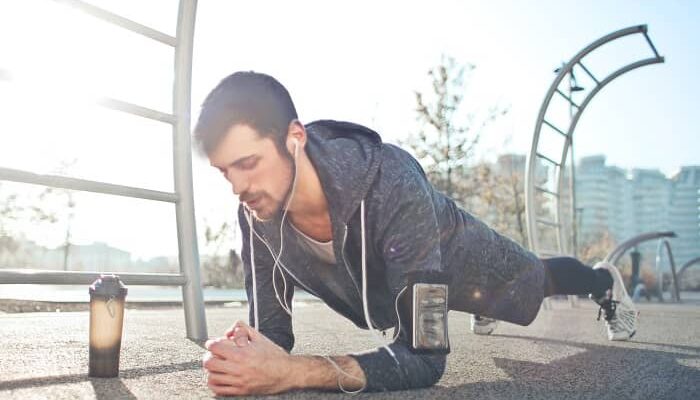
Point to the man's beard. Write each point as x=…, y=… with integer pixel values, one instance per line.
x=277, y=205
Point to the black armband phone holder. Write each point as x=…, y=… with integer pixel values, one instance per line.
x=424, y=312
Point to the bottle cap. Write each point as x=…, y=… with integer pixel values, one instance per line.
x=108, y=286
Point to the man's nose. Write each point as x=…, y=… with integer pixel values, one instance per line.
x=239, y=183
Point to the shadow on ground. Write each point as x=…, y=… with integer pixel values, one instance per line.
x=105, y=388
x=596, y=372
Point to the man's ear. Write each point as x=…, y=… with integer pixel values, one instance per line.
x=296, y=137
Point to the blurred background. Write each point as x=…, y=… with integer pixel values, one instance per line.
x=388, y=65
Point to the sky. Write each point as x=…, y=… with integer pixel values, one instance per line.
x=359, y=61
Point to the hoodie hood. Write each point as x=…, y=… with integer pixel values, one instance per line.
x=346, y=157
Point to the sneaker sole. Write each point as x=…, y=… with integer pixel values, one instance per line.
x=628, y=337
x=624, y=339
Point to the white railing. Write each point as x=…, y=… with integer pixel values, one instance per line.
x=182, y=197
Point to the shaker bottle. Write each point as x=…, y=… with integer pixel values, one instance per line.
x=107, y=295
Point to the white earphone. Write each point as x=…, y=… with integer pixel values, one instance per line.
x=296, y=147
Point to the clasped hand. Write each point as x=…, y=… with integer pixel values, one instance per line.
x=245, y=362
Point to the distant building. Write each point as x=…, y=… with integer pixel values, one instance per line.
x=97, y=256
x=510, y=164
x=604, y=199
x=684, y=213
x=21, y=253
x=639, y=201
x=651, y=194
x=592, y=197
x=100, y=257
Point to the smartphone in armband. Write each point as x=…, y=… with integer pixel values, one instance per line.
x=428, y=296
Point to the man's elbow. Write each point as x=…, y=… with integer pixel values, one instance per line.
x=435, y=368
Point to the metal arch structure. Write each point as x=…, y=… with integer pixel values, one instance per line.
x=614, y=256
x=563, y=232
x=182, y=198
x=665, y=244
x=663, y=236
x=688, y=264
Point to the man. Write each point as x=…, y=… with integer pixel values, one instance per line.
x=331, y=209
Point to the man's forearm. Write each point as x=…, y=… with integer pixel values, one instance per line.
x=317, y=372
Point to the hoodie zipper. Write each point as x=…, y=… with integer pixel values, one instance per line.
x=346, y=263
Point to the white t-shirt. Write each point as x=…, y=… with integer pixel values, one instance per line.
x=321, y=250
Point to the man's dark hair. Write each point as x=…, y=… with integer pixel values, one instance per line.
x=250, y=98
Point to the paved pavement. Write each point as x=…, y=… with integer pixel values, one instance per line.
x=563, y=354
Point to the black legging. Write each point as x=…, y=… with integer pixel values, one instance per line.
x=567, y=275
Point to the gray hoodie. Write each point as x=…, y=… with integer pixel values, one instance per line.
x=409, y=226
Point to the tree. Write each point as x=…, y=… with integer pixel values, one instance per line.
x=596, y=246
x=509, y=187
x=51, y=206
x=221, y=270
x=500, y=200
x=446, y=144
x=56, y=206
x=448, y=134
x=9, y=211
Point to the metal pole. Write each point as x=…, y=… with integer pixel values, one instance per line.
x=572, y=172
x=573, y=299
x=120, y=21
x=674, y=278
x=193, y=300
x=49, y=277
x=64, y=182
x=636, y=257
x=659, y=273
x=675, y=292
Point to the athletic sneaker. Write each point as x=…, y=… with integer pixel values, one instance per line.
x=482, y=325
x=620, y=314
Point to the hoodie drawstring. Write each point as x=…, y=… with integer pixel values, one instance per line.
x=252, y=268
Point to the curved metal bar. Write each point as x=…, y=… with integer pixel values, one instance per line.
x=676, y=292
x=687, y=265
x=574, y=121
x=598, y=88
x=193, y=300
x=529, y=177
x=614, y=256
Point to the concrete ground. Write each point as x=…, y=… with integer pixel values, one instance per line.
x=563, y=354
